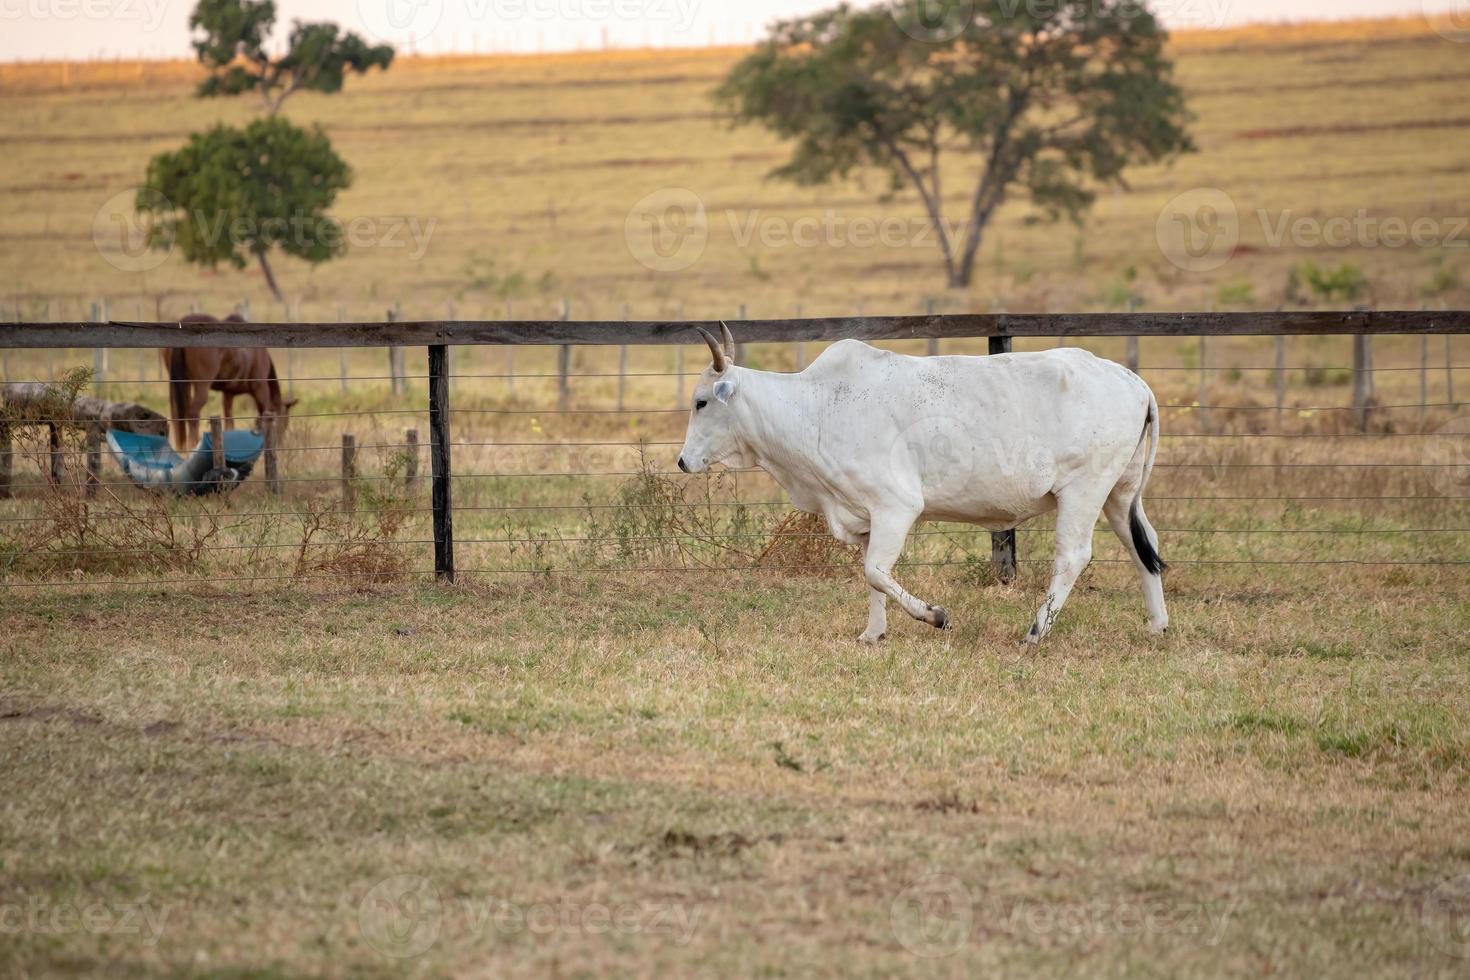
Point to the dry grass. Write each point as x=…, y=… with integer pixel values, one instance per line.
x=1278, y=786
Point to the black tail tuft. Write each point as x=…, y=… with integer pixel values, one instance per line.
x=1143, y=545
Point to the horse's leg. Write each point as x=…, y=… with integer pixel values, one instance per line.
x=198, y=398
x=264, y=411
x=228, y=400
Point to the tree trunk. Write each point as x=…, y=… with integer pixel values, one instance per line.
x=270, y=279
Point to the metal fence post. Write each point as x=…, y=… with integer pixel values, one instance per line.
x=439, y=460
x=1003, y=544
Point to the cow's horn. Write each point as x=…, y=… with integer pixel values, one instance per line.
x=714, y=349
x=729, y=341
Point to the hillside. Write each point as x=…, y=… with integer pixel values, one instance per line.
x=476, y=169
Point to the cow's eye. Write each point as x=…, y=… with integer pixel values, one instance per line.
x=700, y=404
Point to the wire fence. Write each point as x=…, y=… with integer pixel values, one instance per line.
x=1297, y=475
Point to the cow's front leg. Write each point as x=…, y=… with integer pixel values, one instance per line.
x=877, y=617
x=885, y=544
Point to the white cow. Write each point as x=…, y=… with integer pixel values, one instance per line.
x=874, y=441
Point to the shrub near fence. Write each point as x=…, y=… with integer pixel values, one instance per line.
x=522, y=483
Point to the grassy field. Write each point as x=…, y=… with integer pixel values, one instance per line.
x=569, y=766
x=710, y=777
x=532, y=167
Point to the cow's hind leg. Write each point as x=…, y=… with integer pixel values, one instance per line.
x=1077, y=513
x=1128, y=521
x=885, y=543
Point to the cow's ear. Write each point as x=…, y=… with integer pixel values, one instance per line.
x=723, y=390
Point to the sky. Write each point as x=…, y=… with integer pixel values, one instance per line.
x=80, y=29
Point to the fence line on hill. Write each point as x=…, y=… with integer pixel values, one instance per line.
x=357, y=487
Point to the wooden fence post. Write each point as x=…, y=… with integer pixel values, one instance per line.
x=439, y=456
x=99, y=355
x=216, y=443
x=272, y=462
x=58, y=461
x=411, y=465
x=1362, y=380
x=1204, y=383
x=1003, y=544
x=94, y=459
x=349, y=470
x=7, y=467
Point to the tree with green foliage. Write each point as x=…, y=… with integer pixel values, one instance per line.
x=1344, y=282
x=230, y=42
x=1051, y=100
x=231, y=195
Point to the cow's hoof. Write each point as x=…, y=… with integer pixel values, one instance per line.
x=939, y=618
x=1031, y=639
x=871, y=639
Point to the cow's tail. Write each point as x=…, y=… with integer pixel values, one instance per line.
x=178, y=395
x=1145, y=541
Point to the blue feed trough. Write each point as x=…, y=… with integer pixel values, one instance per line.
x=151, y=462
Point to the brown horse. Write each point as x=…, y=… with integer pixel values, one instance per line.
x=193, y=372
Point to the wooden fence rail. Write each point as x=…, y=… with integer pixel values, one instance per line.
x=424, y=333
x=439, y=335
